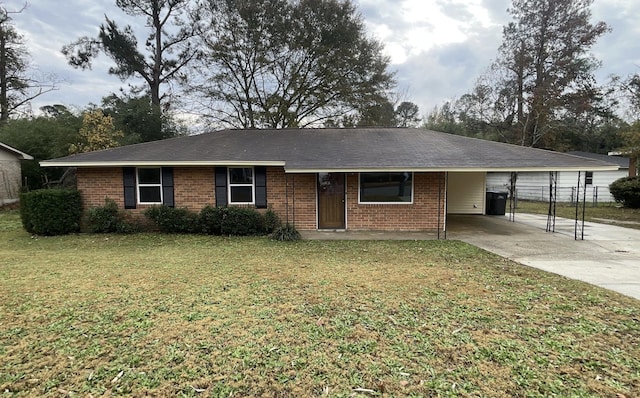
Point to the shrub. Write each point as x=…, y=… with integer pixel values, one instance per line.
x=109, y=219
x=173, y=220
x=626, y=190
x=51, y=211
x=241, y=221
x=286, y=232
x=211, y=220
x=271, y=221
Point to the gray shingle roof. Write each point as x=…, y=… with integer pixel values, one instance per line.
x=619, y=160
x=361, y=149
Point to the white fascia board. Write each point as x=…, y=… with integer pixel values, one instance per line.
x=447, y=169
x=24, y=156
x=132, y=163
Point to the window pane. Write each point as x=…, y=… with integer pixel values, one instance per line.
x=385, y=187
x=241, y=194
x=150, y=195
x=149, y=176
x=241, y=175
x=588, y=178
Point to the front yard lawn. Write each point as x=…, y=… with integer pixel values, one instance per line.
x=170, y=315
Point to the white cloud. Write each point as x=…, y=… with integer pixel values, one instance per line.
x=438, y=47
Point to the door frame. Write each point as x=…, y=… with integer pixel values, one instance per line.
x=344, y=203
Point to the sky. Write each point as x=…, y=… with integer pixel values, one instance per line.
x=438, y=48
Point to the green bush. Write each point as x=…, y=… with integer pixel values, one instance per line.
x=229, y=221
x=211, y=220
x=287, y=232
x=241, y=221
x=626, y=190
x=51, y=211
x=173, y=220
x=110, y=219
x=271, y=221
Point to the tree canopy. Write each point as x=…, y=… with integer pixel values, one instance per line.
x=280, y=63
x=19, y=82
x=97, y=132
x=543, y=75
x=167, y=46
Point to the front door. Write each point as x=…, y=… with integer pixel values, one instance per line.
x=331, y=201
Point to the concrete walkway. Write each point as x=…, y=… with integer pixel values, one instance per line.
x=609, y=256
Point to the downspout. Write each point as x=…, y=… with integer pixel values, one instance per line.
x=446, y=200
x=286, y=197
x=293, y=200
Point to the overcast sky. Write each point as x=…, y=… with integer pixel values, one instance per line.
x=438, y=48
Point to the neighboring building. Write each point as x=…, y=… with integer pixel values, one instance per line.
x=354, y=179
x=10, y=173
x=535, y=185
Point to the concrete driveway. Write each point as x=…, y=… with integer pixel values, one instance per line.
x=608, y=256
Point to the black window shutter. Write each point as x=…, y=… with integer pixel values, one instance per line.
x=221, y=186
x=261, y=187
x=167, y=186
x=129, y=180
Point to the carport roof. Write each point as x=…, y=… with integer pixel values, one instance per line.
x=344, y=150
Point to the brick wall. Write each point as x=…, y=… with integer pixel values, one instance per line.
x=421, y=215
x=97, y=184
x=194, y=187
x=292, y=196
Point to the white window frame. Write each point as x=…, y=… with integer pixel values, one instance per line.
x=139, y=185
x=386, y=203
x=588, y=178
x=230, y=185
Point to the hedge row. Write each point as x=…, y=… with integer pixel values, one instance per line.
x=51, y=211
x=227, y=221
x=59, y=211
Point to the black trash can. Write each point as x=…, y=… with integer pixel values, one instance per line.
x=496, y=203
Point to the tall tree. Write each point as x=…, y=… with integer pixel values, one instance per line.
x=280, y=63
x=97, y=132
x=407, y=114
x=135, y=116
x=629, y=88
x=544, y=67
x=19, y=84
x=168, y=45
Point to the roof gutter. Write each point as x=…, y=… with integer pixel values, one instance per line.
x=157, y=163
x=300, y=170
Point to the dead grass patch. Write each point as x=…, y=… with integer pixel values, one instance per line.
x=167, y=315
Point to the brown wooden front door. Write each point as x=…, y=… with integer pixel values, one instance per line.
x=331, y=201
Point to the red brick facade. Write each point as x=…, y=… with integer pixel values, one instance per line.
x=291, y=196
x=421, y=215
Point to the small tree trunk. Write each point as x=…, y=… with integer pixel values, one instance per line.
x=4, y=104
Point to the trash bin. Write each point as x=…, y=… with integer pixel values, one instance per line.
x=496, y=203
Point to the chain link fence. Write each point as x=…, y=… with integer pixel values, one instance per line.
x=595, y=194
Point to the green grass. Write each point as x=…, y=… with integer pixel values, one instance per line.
x=199, y=316
x=608, y=213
